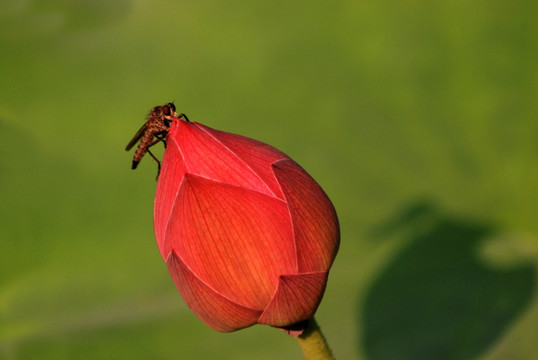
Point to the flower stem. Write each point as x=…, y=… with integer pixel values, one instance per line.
x=313, y=343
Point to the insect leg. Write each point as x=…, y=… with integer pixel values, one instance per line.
x=183, y=116
x=160, y=137
x=158, y=163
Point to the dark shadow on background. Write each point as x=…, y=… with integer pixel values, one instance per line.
x=436, y=299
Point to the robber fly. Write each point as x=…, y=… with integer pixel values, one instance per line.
x=157, y=126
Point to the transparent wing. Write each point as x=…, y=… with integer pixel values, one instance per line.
x=137, y=137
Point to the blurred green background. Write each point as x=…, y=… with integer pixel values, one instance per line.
x=418, y=118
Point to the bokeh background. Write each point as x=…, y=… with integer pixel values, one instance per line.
x=419, y=119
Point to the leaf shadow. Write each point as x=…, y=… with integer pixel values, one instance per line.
x=437, y=299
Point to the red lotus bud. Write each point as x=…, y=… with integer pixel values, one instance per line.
x=247, y=234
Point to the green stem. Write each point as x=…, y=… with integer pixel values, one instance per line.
x=313, y=343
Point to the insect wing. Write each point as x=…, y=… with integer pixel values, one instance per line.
x=137, y=137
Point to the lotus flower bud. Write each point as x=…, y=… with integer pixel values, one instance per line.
x=247, y=235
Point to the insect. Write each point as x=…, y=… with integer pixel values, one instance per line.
x=156, y=126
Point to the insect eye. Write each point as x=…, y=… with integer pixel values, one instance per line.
x=166, y=110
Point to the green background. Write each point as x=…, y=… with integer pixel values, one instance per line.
x=418, y=118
